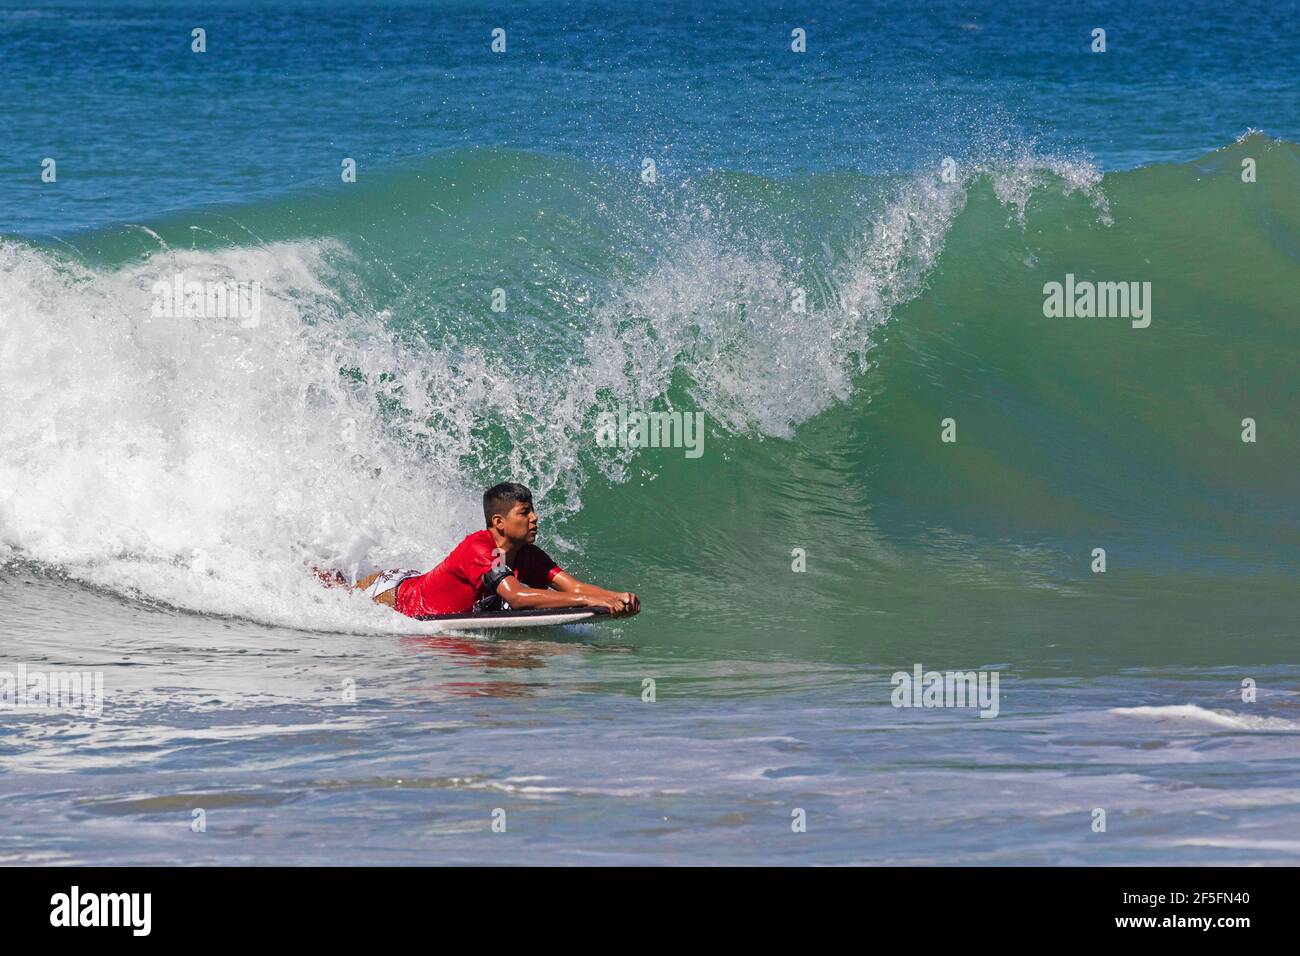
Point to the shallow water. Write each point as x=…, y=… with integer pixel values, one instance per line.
x=250, y=725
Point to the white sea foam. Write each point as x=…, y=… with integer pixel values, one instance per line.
x=1194, y=714
x=200, y=463
x=1015, y=182
x=720, y=311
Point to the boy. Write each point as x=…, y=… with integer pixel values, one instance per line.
x=497, y=566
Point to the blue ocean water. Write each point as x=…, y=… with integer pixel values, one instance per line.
x=141, y=125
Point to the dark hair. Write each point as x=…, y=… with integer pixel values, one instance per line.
x=499, y=499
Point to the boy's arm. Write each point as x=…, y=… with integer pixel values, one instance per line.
x=563, y=581
x=519, y=595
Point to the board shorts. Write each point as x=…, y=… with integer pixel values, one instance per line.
x=388, y=580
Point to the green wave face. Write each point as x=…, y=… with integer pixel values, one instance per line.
x=922, y=301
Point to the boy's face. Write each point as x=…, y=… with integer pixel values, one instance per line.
x=519, y=523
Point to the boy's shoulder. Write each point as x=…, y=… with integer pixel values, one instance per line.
x=476, y=545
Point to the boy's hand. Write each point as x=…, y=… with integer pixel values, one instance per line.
x=620, y=605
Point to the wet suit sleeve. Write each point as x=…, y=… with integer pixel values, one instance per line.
x=536, y=569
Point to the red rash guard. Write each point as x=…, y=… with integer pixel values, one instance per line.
x=453, y=586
